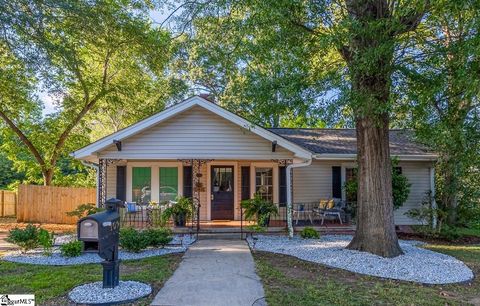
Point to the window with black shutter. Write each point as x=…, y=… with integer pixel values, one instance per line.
x=245, y=183
x=187, y=181
x=282, y=185
x=121, y=192
x=337, y=182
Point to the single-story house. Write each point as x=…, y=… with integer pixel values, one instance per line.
x=197, y=148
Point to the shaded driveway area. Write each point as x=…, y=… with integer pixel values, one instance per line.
x=214, y=272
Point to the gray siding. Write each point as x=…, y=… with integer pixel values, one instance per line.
x=418, y=174
x=196, y=133
x=111, y=181
x=315, y=182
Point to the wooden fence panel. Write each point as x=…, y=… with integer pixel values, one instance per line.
x=8, y=203
x=48, y=204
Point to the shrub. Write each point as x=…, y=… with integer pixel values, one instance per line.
x=180, y=211
x=46, y=240
x=400, y=187
x=133, y=240
x=72, y=248
x=259, y=209
x=158, y=237
x=309, y=233
x=26, y=239
x=449, y=233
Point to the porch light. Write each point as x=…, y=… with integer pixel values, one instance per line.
x=118, y=144
x=274, y=145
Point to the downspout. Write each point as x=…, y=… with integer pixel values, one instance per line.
x=93, y=166
x=289, y=193
x=432, y=195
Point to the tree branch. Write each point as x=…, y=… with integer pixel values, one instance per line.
x=25, y=140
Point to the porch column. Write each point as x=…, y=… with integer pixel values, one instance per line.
x=290, y=193
x=102, y=182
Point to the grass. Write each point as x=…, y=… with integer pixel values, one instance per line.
x=291, y=281
x=51, y=284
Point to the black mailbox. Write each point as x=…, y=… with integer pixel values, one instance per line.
x=100, y=233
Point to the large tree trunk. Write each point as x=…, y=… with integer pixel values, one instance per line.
x=375, y=226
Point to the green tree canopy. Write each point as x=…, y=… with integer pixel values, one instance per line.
x=102, y=62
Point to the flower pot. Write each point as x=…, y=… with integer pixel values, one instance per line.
x=264, y=222
x=179, y=219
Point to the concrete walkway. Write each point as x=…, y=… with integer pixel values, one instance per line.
x=214, y=272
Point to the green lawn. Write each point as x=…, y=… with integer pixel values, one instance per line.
x=51, y=284
x=290, y=281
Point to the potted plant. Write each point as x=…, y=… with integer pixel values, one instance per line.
x=180, y=211
x=259, y=209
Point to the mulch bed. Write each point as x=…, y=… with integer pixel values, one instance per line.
x=460, y=241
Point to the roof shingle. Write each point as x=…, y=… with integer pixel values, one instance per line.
x=344, y=141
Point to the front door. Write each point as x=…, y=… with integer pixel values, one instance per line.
x=222, y=197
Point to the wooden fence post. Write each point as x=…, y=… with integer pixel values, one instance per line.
x=3, y=204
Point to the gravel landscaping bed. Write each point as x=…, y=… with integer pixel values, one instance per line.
x=179, y=244
x=417, y=264
x=184, y=240
x=93, y=293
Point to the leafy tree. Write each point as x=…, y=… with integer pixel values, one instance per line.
x=257, y=71
x=363, y=35
x=442, y=78
x=90, y=56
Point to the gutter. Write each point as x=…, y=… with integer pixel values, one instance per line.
x=325, y=156
x=93, y=166
x=289, y=193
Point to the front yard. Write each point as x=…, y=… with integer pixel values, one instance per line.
x=290, y=281
x=51, y=284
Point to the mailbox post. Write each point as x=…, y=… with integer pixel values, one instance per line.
x=100, y=233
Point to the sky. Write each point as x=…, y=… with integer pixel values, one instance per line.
x=157, y=16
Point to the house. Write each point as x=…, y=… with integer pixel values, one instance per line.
x=197, y=148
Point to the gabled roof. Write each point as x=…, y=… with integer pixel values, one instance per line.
x=343, y=142
x=92, y=149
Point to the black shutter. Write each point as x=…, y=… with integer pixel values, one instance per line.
x=245, y=187
x=121, y=192
x=337, y=182
x=187, y=181
x=282, y=185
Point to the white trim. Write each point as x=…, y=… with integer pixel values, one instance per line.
x=289, y=193
x=155, y=177
x=429, y=157
x=92, y=149
x=344, y=167
x=275, y=178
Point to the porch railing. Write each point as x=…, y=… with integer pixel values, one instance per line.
x=306, y=214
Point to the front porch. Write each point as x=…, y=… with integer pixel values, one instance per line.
x=216, y=187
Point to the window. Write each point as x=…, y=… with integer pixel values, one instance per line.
x=264, y=183
x=141, y=184
x=168, y=183
x=350, y=179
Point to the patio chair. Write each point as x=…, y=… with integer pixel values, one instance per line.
x=299, y=209
x=331, y=207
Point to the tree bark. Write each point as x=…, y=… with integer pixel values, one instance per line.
x=373, y=30
x=375, y=226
